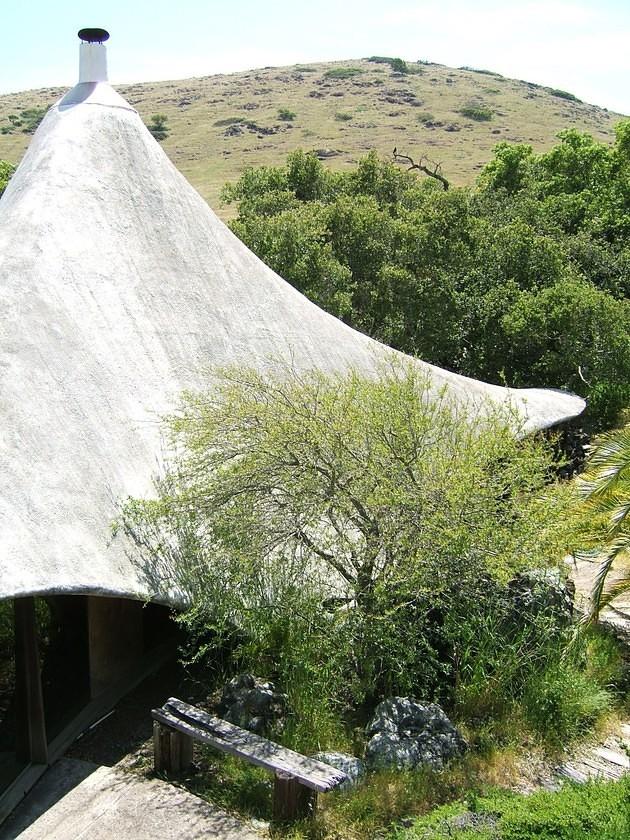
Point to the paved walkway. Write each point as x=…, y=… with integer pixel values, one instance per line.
x=609, y=761
x=77, y=800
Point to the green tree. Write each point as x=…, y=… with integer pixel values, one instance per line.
x=345, y=528
x=455, y=276
x=158, y=127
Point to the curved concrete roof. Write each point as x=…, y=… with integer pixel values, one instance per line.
x=118, y=287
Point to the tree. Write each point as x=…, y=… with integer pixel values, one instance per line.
x=158, y=127
x=347, y=526
x=605, y=488
x=493, y=282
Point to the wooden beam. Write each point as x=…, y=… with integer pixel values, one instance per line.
x=32, y=743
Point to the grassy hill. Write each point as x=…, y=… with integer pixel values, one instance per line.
x=221, y=124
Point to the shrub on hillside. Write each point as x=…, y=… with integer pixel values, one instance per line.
x=158, y=127
x=343, y=72
x=479, y=113
x=564, y=94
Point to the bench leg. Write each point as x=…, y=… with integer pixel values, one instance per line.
x=291, y=799
x=172, y=751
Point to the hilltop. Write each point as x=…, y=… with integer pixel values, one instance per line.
x=223, y=123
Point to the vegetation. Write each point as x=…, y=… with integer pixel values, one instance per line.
x=563, y=94
x=201, y=148
x=597, y=811
x=378, y=501
x=343, y=116
x=479, y=113
x=605, y=487
x=354, y=539
x=6, y=170
x=398, y=65
x=158, y=127
x=286, y=114
x=483, y=72
x=522, y=280
x=26, y=121
x=342, y=72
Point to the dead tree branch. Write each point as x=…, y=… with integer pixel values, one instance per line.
x=423, y=166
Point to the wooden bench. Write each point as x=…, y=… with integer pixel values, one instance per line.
x=297, y=781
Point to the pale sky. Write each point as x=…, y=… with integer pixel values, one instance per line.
x=582, y=47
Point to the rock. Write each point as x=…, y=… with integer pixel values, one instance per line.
x=322, y=154
x=408, y=734
x=253, y=704
x=352, y=766
x=542, y=590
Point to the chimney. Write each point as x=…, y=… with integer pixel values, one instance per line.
x=93, y=55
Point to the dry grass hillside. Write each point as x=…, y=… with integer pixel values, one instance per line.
x=221, y=124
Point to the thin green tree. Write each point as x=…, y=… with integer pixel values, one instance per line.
x=605, y=488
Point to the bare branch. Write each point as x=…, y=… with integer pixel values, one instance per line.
x=423, y=166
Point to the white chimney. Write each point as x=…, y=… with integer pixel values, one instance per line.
x=93, y=55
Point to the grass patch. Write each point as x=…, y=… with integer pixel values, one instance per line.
x=232, y=783
x=343, y=116
x=597, y=811
x=229, y=121
x=343, y=72
x=425, y=117
x=304, y=68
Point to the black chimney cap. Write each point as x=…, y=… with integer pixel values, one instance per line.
x=93, y=36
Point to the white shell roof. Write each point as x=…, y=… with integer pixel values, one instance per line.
x=119, y=287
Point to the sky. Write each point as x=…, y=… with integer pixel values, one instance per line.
x=582, y=47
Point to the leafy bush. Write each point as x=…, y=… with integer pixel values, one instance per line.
x=342, y=72
x=158, y=127
x=476, y=112
x=425, y=117
x=6, y=170
x=370, y=568
x=286, y=114
x=399, y=66
x=563, y=94
x=343, y=116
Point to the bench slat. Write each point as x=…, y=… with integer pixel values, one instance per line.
x=240, y=742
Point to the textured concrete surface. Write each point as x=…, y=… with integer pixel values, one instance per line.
x=607, y=761
x=76, y=800
x=119, y=288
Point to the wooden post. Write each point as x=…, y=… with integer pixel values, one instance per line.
x=172, y=751
x=291, y=799
x=32, y=743
x=115, y=640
